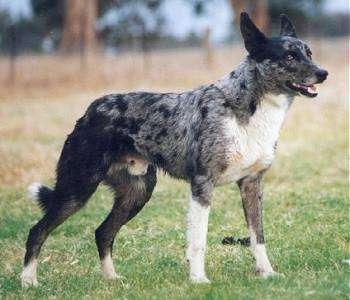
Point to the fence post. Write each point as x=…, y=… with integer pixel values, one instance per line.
x=12, y=55
x=145, y=51
x=207, y=46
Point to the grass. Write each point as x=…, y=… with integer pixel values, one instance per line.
x=306, y=211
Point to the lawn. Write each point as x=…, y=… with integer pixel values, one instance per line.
x=306, y=208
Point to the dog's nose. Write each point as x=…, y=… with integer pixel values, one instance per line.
x=321, y=75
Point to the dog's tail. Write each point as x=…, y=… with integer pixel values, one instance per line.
x=41, y=195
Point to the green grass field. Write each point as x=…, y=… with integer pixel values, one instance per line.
x=306, y=232
x=306, y=214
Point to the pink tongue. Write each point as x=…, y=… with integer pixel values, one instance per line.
x=311, y=89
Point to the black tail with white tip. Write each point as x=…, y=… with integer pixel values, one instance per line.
x=41, y=195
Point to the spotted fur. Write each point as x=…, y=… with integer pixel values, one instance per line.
x=219, y=133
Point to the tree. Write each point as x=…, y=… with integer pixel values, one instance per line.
x=79, y=26
x=258, y=10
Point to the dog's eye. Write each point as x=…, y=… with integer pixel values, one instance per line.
x=290, y=57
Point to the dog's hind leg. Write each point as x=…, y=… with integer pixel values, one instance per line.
x=64, y=204
x=74, y=187
x=251, y=192
x=37, y=236
x=133, y=192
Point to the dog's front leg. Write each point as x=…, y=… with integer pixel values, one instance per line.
x=251, y=193
x=197, y=227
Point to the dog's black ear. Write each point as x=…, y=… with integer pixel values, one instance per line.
x=254, y=40
x=287, y=27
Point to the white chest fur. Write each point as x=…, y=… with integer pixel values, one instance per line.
x=250, y=147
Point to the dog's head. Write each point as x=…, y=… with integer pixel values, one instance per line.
x=285, y=62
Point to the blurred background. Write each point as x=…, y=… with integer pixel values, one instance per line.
x=69, y=39
x=56, y=56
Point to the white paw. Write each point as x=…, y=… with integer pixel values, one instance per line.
x=28, y=280
x=28, y=276
x=112, y=275
x=199, y=279
x=269, y=274
x=107, y=268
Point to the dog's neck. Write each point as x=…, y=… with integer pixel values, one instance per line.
x=244, y=89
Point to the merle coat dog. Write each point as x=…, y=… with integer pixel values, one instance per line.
x=219, y=133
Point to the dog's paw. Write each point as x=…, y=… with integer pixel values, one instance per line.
x=28, y=276
x=200, y=279
x=110, y=275
x=28, y=280
x=269, y=274
x=108, y=270
x=113, y=276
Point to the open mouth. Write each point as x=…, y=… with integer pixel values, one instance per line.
x=306, y=90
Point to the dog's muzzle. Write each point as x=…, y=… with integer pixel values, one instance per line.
x=321, y=75
x=308, y=90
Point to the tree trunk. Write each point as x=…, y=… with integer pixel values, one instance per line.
x=79, y=26
x=257, y=9
x=89, y=23
x=238, y=6
x=260, y=15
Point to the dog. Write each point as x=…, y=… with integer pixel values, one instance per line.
x=220, y=133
